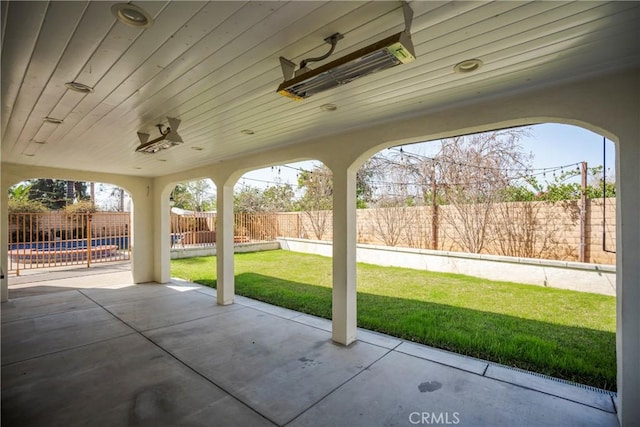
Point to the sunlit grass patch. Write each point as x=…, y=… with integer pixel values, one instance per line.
x=562, y=333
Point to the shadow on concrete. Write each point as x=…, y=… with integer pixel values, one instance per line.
x=577, y=354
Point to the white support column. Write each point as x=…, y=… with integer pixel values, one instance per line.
x=628, y=277
x=142, y=233
x=224, y=244
x=4, y=242
x=344, y=256
x=161, y=235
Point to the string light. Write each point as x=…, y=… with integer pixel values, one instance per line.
x=455, y=163
x=525, y=175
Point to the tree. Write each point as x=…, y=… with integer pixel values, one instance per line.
x=80, y=191
x=526, y=229
x=202, y=195
x=20, y=192
x=115, y=202
x=70, y=192
x=248, y=199
x=317, y=198
x=50, y=192
x=470, y=173
x=318, y=184
x=365, y=189
x=393, y=214
x=181, y=197
x=24, y=227
x=19, y=200
x=318, y=188
x=76, y=192
x=53, y=193
x=392, y=220
x=278, y=198
x=196, y=196
x=598, y=187
x=563, y=186
x=475, y=170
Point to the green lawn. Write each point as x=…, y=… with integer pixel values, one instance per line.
x=565, y=334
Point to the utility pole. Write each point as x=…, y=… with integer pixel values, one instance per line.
x=583, y=213
x=121, y=199
x=70, y=192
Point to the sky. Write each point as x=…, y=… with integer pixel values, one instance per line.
x=554, y=144
x=551, y=144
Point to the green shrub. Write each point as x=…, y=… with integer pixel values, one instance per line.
x=26, y=206
x=83, y=206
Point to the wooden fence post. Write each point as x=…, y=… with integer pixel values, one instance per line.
x=583, y=214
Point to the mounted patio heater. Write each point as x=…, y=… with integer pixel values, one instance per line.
x=167, y=139
x=387, y=53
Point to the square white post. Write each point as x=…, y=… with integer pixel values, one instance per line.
x=344, y=309
x=628, y=278
x=224, y=245
x=162, y=237
x=4, y=242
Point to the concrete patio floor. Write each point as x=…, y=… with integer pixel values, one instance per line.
x=90, y=348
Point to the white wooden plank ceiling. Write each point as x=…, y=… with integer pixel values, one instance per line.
x=214, y=65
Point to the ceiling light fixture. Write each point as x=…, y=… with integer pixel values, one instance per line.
x=328, y=107
x=168, y=138
x=247, y=131
x=53, y=120
x=78, y=87
x=38, y=142
x=467, y=66
x=387, y=53
x=132, y=15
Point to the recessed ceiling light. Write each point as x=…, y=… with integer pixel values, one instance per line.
x=329, y=107
x=467, y=66
x=78, y=87
x=53, y=120
x=247, y=131
x=131, y=15
x=39, y=142
x=197, y=148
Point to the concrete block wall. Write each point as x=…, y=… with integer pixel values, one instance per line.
x=556, y=229
x=187, y=252
x=594, y=278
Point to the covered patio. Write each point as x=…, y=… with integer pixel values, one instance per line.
x=92, y=348
x=84, y=82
